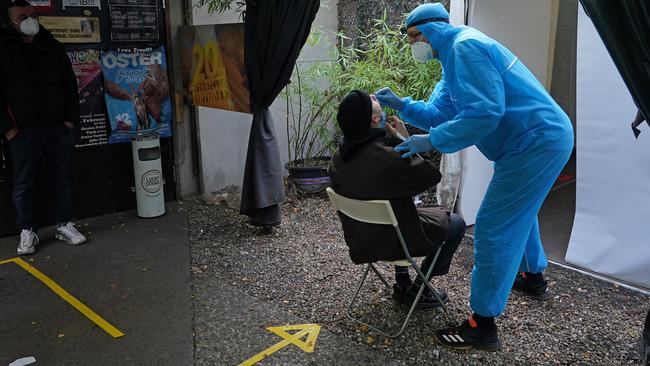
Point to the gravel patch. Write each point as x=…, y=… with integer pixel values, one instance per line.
x=303, y=266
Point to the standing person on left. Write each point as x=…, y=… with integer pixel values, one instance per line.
x=39, y=107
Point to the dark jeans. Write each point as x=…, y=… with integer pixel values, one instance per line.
x=54, y=145
x=455, y=234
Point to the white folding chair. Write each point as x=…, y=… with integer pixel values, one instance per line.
x=380, y=212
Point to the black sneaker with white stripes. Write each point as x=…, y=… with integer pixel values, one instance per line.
x=469, y=336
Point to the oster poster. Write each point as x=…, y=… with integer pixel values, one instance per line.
x=136, y=92
x=213, y=66
x=93, y=129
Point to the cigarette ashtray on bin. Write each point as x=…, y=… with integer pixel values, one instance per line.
x=147, y=168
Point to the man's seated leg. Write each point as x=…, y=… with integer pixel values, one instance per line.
x=455, y=234
x=402, y=282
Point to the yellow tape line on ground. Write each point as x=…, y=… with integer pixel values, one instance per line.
x=65, y=295
x=309, y=330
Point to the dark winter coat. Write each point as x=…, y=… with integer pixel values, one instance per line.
x=38, y=87
x=371, y=170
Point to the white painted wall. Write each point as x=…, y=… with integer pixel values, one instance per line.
x=523, y=26
x=223, y=135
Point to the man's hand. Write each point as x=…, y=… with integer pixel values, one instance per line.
x=69, y=125
x=398, y=125
x=10, y=134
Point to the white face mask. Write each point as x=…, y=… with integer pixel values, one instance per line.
x=29, y=27
x=421, y=51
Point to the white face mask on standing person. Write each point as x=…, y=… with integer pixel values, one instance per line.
x=421, y=51
x=29, y=27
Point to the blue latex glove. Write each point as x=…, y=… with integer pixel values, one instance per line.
x=414, y=145
x=387, y=98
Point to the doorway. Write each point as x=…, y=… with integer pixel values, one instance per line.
x=557, y=213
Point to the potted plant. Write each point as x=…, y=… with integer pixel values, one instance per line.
x=311, y=130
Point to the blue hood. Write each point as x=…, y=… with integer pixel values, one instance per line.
x=439, y=33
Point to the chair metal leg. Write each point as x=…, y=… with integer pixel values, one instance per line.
x=356, y=292
x=419, y=271
x=411, y=309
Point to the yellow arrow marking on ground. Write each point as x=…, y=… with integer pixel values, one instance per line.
x=65, y=295
x=309, y=330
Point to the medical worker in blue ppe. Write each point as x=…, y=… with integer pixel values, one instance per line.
x=488, y=98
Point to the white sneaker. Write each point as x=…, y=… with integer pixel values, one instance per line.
x=69, y=234
x=28, y=242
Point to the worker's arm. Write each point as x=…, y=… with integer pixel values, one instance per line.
x=426, y=114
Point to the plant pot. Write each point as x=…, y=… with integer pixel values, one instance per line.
x=309, y=179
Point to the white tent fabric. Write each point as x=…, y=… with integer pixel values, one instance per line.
x=611, y=230
x=447, y=190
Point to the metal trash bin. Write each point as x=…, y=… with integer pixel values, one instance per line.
x=147, y=168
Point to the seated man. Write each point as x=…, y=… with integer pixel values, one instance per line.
x=366, y=167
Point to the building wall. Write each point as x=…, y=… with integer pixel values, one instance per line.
x=223, y=135
x=522, y=26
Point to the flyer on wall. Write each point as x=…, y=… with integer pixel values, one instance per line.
x=38, y=3
x=136, y=89
x=41, y=6
x=134, y=20
x=73, y=29
x=82, y=4
x=93, y=129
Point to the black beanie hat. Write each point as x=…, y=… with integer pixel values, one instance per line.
x=355, y=113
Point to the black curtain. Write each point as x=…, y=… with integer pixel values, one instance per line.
x=275, y=31
x=624, y=27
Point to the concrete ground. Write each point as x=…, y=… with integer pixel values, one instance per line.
x=136, y=274
x=200, y=287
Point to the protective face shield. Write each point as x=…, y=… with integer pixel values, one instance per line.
x=421, y=51
x=29, y=27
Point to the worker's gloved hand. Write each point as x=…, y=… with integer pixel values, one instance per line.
x=387, y=98
x=414, y=145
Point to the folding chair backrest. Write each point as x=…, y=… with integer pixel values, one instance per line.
x=371, y=212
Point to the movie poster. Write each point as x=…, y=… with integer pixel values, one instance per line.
x=93, y=129
x=137, y=92
x=213, y=66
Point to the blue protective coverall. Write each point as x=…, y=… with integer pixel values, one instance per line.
x=488, y=98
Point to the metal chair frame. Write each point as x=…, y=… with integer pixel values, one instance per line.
x=381, y=212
